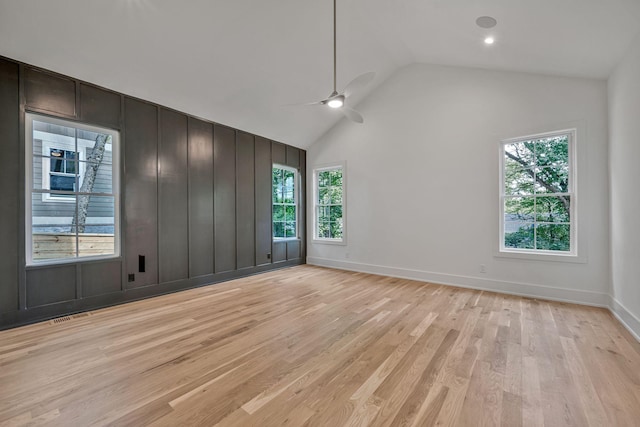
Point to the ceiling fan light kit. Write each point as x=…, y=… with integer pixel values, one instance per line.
x=336, y=101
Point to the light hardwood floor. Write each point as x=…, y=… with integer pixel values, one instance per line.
x=319, y=347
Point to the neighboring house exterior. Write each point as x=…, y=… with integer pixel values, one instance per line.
x=61, y=168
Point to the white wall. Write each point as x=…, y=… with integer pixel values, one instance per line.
x=422, y=179
x=624, y=152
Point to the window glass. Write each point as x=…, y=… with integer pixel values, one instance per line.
x=284, y=202
x=537, y=194
x=329, y=200
x=72, y=201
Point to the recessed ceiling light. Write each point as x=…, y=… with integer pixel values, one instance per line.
x=489, y=40
x=486, y=22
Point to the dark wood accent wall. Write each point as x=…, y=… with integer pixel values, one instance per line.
x=10, y=171
x=173, y=198
x=262, y=187
x=195, y=200
x=99, y=106
x=140, y=192
x=224, y=204
x=49, y=93
x=245, y=201
x=201, y=240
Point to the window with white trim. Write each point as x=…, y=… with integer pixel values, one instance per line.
x=72, y=191
x=285, y=202
x=537, y=194
x=62, y=169
x=329, y=204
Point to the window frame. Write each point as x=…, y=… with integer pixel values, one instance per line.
x=316, y=172
x=541, y=254
x=296, y=201
x=29, y=187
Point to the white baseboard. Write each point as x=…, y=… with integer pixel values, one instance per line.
x=576, y=296
x=630, y=321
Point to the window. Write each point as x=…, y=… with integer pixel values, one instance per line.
x=538, y=194
x=285, y=202
x=329, y=204
x=72, y=191
x=62, y=169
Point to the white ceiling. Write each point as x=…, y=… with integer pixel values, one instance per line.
x=238, y=62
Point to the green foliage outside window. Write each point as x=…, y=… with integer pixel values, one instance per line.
x=537, y=201
x=329, y=204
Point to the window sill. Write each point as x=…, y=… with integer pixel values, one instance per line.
x=338, y=242
x=541, y=256
x=67, y=261
x=285, y=239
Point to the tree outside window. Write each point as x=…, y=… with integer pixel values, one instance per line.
x=329, y=203
x=537, y=193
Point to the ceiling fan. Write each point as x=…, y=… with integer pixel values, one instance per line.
x=337, y=99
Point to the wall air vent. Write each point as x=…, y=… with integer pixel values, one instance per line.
x=60, y=320
x=80, y=315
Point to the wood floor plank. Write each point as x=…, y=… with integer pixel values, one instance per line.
x=311, y=346
x=591, y=403
x=410, y=410
x=511, y=410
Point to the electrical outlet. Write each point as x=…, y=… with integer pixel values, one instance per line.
x=346, y=255
x=269, y=256
x=132, y=277
x=483, y=268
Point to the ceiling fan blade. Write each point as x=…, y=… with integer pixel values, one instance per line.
x=306, y=104
x=351, y=114
x=359, y=83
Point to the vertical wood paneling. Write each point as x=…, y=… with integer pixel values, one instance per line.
x=293, y=160
x=173, y=202
x=201, y=241
x=293, y=157
x=224, y=152
x=99, y=106
x=195, y=199
x=245, y=200
x=99, y=278
x=293, y=249
x=50, y=285
x=141, y=190
x=279, y=153
x=279, y=251
x=9, y=174
x=302, y=218
x=279, y=157
x=45, y=91
x=263, y=200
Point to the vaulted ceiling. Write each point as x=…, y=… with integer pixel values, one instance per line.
x=240, y=62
